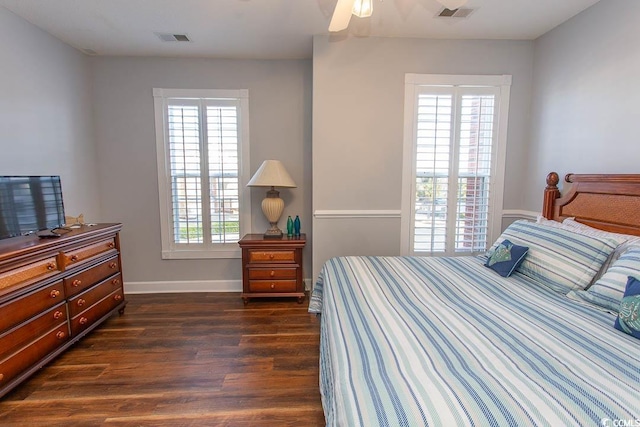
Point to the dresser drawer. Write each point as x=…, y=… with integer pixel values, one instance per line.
x=272, y=273
x=84, y=253
x=22, y=335
x=272, y=256
x=28, y=356
x=272, y=286
x=29, y=272
x=21, y=309
x=88, y=317
x=86, y=299
x=83, y=280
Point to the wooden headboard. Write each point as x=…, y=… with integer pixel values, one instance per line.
x=607, y=202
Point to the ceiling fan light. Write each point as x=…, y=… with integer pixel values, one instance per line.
x=362, y=8
x=452, y=4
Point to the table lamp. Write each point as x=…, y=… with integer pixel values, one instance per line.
x=272, y=173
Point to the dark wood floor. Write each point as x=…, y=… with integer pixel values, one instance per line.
x=182, y=360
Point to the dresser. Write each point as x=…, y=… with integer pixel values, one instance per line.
x=272, y=267
x=52, y=293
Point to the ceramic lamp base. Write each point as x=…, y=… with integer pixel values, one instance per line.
x=272, y=207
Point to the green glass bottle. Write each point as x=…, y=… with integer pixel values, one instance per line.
x=289, y=226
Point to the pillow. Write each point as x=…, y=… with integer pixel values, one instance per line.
x=628, y=319
x=559, y=258
x=506, y=258
x=607, y=291
x=625, y=241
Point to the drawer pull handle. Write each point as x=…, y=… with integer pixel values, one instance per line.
x=74, y=258
x=271, y=256
x=60, y=335
x=273, y=286
x=57, y=315
x=113, y=265
x=83, y=320
x=81, y=302
x=111, y=245
x=51, y=266
x=1, y=377
x=116, y=281
x=54, y=293
x=273, y=273
x=76, y=283
x=117, y=297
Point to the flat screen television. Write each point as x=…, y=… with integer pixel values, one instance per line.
x=29, y=204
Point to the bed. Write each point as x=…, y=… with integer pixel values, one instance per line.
x=413, y=341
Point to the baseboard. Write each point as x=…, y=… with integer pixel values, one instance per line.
x=190, y=286
x=181, y=286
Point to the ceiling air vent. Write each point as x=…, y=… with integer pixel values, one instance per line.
x=455, y=13
x=168, y=37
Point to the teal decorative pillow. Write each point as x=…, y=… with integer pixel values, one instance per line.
x=506, y=258
x=629, y=315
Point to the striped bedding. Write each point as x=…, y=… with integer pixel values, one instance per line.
x=410, y=341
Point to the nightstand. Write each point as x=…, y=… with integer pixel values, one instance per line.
x=272, y=267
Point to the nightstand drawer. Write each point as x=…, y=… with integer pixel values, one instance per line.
x=272, y=256
x=272, y=286
x=272, y=273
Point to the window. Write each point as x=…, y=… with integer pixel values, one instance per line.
x=454, y=154
x=203, y=164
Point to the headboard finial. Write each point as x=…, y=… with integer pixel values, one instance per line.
x=551, y=193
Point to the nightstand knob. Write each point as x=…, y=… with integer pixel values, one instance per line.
x=83, y=320
x=57, y=315
x=60, y=335
x=273, y=286
x=273, y=273
x=54, y=293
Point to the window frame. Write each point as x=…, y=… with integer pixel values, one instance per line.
x=171, y=249
x=413, y=85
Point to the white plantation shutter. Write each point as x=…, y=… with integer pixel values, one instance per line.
x=203, y=163
x=451, y=136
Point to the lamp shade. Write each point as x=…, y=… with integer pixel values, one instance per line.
x=271, y=173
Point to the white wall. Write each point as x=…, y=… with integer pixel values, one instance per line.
x=585, y=110
x=280, y=128
x=45, y=113
x=358, y=100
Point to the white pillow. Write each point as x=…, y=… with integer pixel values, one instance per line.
x=608, y=291
x=559, y=258
x=625, y=241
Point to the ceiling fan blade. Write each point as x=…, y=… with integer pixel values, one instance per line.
x=341, y=15
x=452, y=4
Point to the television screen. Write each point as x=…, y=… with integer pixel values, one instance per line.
x=29, y=204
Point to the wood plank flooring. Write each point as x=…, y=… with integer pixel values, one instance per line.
x=182, y=360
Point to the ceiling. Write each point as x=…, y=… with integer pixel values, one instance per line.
x=273, y=28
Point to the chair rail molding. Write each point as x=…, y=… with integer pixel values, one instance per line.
x=361, y=213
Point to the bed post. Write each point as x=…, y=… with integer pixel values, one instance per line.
x=551, y=193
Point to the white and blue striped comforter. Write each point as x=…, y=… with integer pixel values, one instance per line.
x=409, y=341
